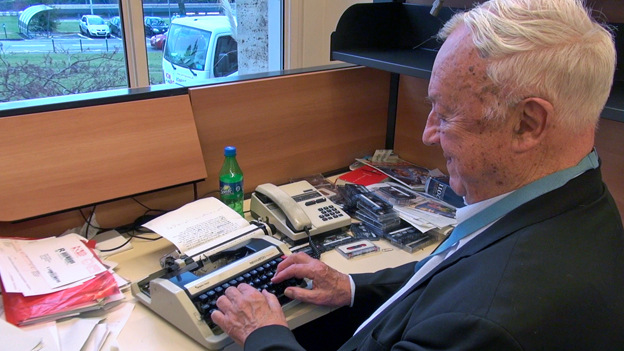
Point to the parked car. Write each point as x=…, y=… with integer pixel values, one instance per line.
x=155, y=25
x=114, y=26
x=94, y=26
x=158, y=41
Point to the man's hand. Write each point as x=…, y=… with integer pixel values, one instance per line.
x=244, y=309
x=330, y=287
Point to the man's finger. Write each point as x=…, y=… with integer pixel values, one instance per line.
x=298, y=271
x=224, y=304
x=233, y=294
x=301, y=294
x=296, y=258
x=245, y=289
x=218, y=317
x=274, y=303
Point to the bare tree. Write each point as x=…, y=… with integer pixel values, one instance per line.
x=59, y=75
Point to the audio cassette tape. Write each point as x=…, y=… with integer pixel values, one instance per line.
x=357, y=248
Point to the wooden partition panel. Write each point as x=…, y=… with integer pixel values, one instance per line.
x=292, y=126
x=59, y=160
x=284, y=127
x=412, y=112
x=610, y=147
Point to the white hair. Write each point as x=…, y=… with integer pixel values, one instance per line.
x=551, y=49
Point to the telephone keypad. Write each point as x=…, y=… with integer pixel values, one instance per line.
x=329, y=212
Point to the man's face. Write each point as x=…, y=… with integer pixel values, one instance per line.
x=476, y=151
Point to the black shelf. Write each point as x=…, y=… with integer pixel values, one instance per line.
x=400, y=38
x=394, y=37
x=415, y=63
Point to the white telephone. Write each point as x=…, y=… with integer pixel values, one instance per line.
x=295, y=207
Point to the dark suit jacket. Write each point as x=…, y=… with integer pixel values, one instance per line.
x=547, y=276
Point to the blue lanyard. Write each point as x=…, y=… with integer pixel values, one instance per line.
x=517, y=198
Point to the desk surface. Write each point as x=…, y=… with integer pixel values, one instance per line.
x=145, y=330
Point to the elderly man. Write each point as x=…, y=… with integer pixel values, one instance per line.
x=537, y=259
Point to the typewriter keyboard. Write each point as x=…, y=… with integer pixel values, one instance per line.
x=258, y=277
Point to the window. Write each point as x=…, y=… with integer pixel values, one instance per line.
x=226, y=58
x=61, y=50
x=57, y=50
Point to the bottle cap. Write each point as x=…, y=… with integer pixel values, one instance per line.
x=230, y=151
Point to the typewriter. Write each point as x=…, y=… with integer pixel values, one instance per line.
x=185, y=291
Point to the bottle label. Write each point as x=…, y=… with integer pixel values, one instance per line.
x=230, y=188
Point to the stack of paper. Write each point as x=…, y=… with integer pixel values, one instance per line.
x=422, y=212
x=199, y=225
x=15, y=339
x=51, y=278
x=93, y=331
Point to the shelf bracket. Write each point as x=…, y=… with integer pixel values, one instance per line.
x=393, y=100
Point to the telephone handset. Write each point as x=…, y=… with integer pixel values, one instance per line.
x=293, y=206
x=297, y=217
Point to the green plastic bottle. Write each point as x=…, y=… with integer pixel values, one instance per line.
x=231, y=181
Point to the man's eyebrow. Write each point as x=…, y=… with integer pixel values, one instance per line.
x=432, y=99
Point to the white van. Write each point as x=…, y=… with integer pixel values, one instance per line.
x=199, y=48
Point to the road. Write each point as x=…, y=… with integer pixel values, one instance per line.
x=71, y=42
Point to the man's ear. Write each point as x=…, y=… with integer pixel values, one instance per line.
x=534, y=114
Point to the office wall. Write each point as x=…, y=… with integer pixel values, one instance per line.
x=308, y=25
x=288, y=126
x=292, y=126
x=412, y=116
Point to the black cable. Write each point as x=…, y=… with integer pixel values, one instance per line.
x=142, y=237
x=117, y=247
x=146, y=207
x=131, y=236
x=134, y=226
x=88, y=221
x=315, y=251
x=210, y=192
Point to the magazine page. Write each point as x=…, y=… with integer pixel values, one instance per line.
x=401, y=171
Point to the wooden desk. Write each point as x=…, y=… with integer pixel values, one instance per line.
x=145, y=330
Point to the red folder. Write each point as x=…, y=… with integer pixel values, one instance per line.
x=90, y=295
